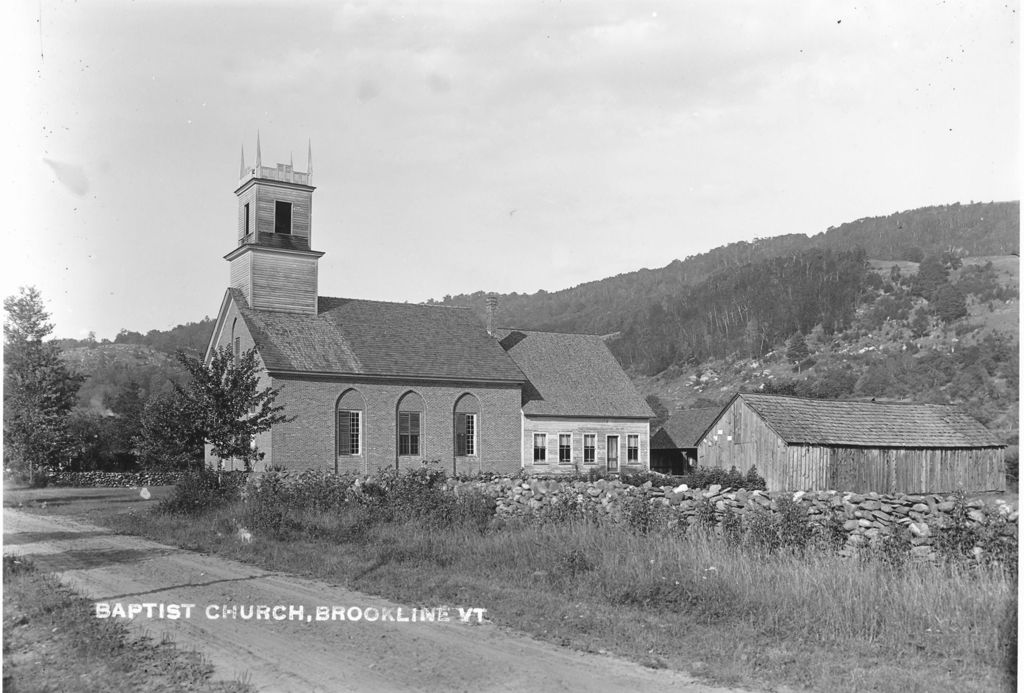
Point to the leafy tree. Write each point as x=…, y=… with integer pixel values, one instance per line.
x=919, y=323
x=167, y=436
x=950, y=303
x=779, y=387
x=225, y=403
x=39, y=390
x=797, y=350
x=931, y=274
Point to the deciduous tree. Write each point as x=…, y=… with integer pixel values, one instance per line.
x=227, y=405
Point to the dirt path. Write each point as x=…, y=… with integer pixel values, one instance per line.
x=297, y=655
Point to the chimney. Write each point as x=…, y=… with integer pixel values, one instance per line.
x=492, y=308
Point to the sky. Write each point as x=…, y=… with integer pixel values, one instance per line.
x=467, y=146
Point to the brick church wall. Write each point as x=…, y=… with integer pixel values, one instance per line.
x=309, y=440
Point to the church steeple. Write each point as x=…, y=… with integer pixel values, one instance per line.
x=273, y=264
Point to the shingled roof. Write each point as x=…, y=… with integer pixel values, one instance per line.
x=571, y=375
x=352, y=336
x=684, y=428
x=869, y=424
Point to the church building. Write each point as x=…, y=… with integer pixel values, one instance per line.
x=372, y=384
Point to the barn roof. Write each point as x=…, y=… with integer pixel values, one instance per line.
x=684, y=428
x=352, y=336
x=572, y=375
x=869, y=424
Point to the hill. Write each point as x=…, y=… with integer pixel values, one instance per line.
x=605, y=306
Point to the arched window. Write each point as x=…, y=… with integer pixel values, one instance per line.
x=349, y=420
x=410, y=423
x=467, y=426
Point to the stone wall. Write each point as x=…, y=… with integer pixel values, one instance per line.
x=114, y=479
x=863, y=518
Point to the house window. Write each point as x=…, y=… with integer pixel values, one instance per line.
x=564, y=448
x=465, y=434
x=632, y=449
x=282, y=217
x=245, y=228
x=238, y=348
x=589, y=448
x=540, y=447
x=409, y=433
x=349, y=432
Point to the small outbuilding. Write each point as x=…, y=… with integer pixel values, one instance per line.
x=810, y=444
x=674, y=443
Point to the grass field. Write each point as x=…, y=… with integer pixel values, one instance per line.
x=688, y=602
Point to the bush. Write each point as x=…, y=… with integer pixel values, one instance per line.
x=794, y=531
x=754, y=481
x=761, y=530
x=703, y=477
x=637, y=513
x=642, y=477
x=202, y=490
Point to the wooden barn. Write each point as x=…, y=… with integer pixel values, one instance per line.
x=674, y=443
x=809, y=444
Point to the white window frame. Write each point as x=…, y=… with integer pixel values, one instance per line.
x=471, y=441
x=630, y=447
x=359, y=432
x=593, y=448
x=543, y=460
x=568, y=461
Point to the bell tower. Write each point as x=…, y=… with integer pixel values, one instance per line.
x=273, y=265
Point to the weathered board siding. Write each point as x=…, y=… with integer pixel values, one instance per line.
x=916, y=470
x=577, y=427
x=241, y=270
x=283, y=282
x=741, y=438
x=247, y=197
x=301, y=208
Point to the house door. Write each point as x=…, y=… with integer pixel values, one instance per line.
x=613, y=453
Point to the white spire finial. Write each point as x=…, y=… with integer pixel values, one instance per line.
x=259, y=155
x=241, y=171
x=309, y=160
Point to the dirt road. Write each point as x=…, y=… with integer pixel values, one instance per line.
x=303, y=654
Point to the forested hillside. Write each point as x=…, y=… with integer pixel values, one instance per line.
x=606, y=306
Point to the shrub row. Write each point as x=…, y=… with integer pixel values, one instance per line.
x=318, y=502
x=202, y=490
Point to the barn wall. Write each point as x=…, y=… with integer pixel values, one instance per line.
x=740, y=438
x=916, y=470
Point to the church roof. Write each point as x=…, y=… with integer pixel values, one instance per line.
x=376, y=338
x=571, y=375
